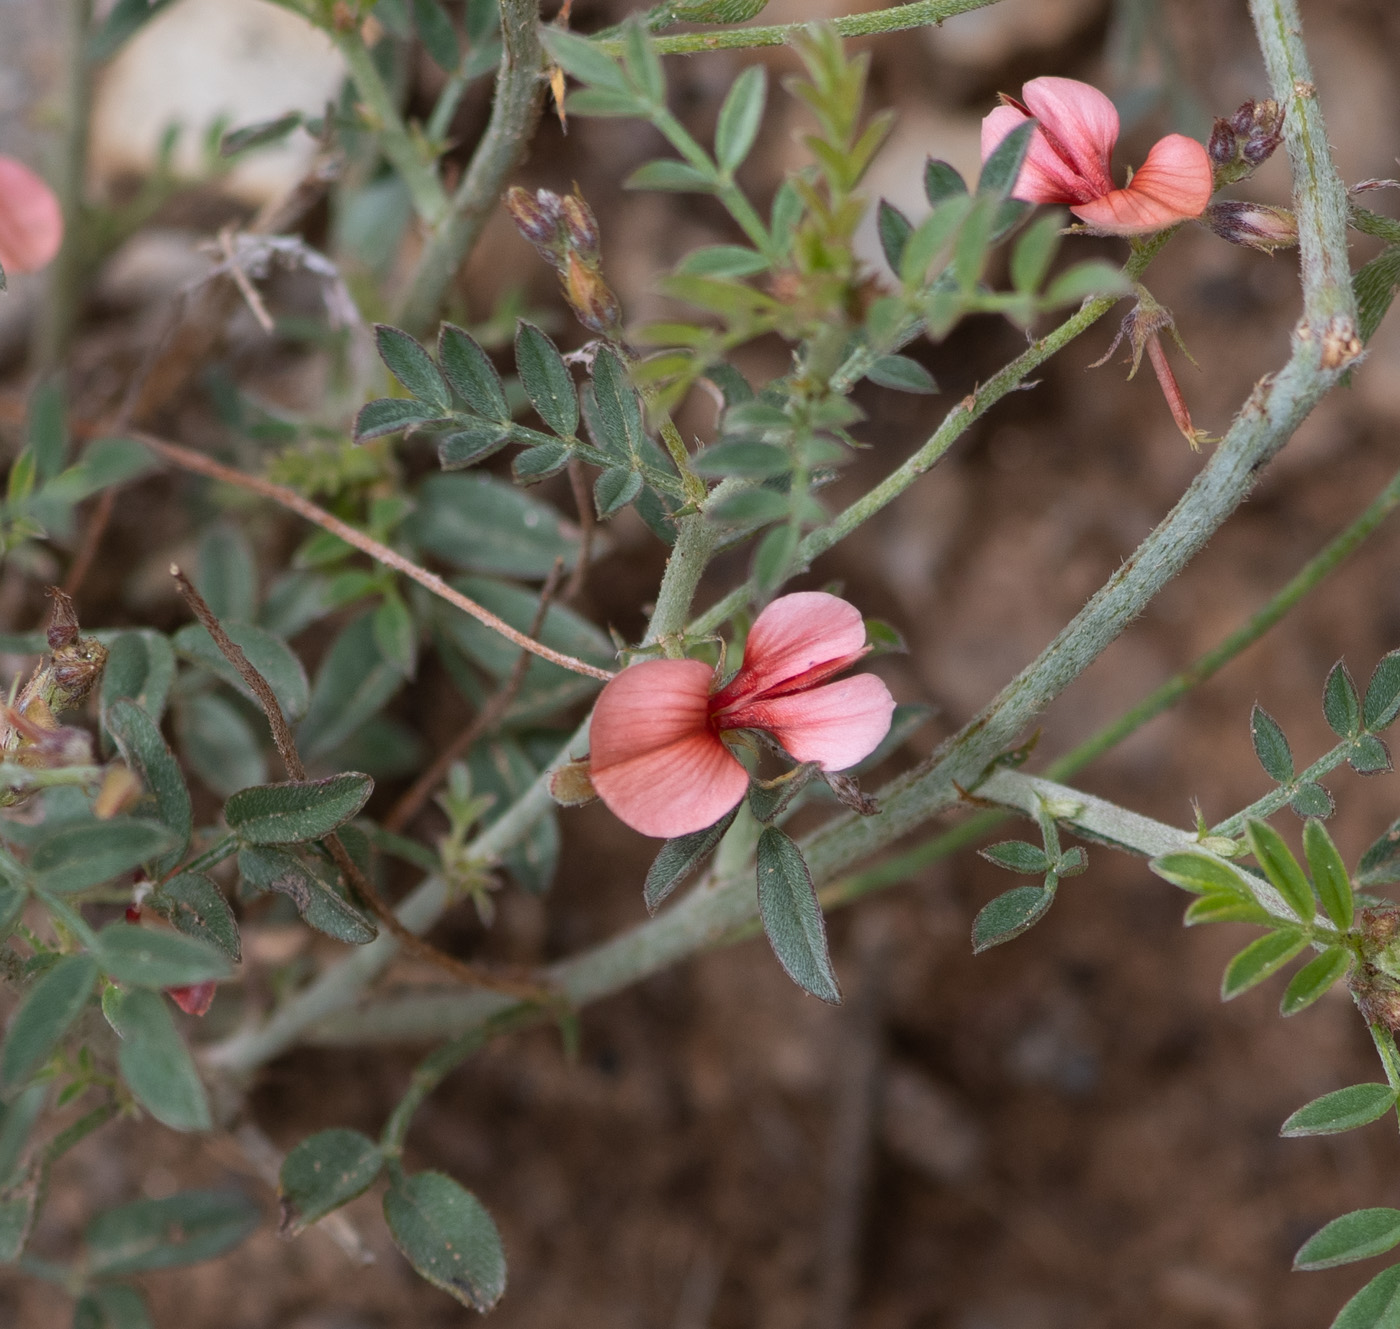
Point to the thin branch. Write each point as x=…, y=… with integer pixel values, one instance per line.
x=362, y=887
x=412, y=802
x=288, y=498
x=93, y=532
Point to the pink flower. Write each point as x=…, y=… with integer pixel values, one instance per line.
x=31, y=222
x=1071, y=150
x=658, y=759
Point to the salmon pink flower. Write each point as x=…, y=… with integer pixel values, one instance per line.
x=31, y=222
x=659, y=760
x=1070, y=154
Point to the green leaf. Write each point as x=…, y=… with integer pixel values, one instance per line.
x=671, y=176
x=1281, y=868
x=758, y=461
x=13, y=898
x=1340, y=704
x=145, y=957
x=774, y=556
x=47, y=1013
x=447, y=1236
x=157, y=1068
x=1017, y=856
x=193, y=904
x=482, y=524
x=319, y=906
x=740, y=116
x=145, y=752
x=1084, y=280
x=1359, y=1235
x=941, y=182
x=501, y=768
x=188, y=1227
x=466, y=447
x=1009, y=915
x=1003, y=163
x=642, y=61
x=1376, y=1306
x=226, y=572
x=219, y=743
x=902, y=374
x=792, y=917
x=1258, y=960
x=395, y=633
x=269, y=655
x=894, y=230
x=723, y=261
x=1197, y=872
x=1329, y=874
x=437, y=34
x=296, y=811
x=112, y=1306
x=391, y=415
x=1312, y=800
x=413, y=367
x=258, y=135
x=322, y=1173
x=17, y=1118
x=1220, y=907
x=579, y=57
x=1341, y=1110
x=1315, y=978
x=605, y=102
x=1034, y=253
x=614, y=489
x=472, y=375
x=140, y=665
x=72, y=857
x=1382, y=702
x=619, y=415
x=354, y=682
x=1375, y=285
x=546, y=380
x=1369, y=756
x=931, y=237
x=18, y=1210
x=1380, y=863
x=679, y=857
x=540, y=462
x=752, y=507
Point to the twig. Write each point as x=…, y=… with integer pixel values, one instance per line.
x=362, y=887
x=381, y=553
x=240, y=279
x=93, y=532
x=411, y=803
x=587, y=524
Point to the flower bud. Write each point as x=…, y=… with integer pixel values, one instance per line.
x=594, y=304
x=580, y=226
x=570, y=786
x=1244, y=140
x=536, y=217
x=1254, y=225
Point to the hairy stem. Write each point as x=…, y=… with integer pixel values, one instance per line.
x=514, y=114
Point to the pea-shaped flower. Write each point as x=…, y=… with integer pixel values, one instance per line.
x=31, y=221
x=1070, y=155
x=659, y=760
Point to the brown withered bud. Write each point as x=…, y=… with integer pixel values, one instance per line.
x=580, y=226
x=1377, y=997
x=536, y=217
x=570, y=785
x=75, y=671
x=63, y=622
x=594, y=304
x=1254, y=225
x=1240, y=143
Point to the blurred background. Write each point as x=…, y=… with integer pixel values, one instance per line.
x=1069, y=1131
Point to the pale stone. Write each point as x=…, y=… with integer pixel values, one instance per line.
x=201, y=61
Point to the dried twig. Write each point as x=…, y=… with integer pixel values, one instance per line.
x=381, y=553
x=358, y=883
x=411, y=803
x=93, y=532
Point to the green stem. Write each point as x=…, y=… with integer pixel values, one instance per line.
x=404, y=151
x=1285, y=793
x=904, y=865
x=1385, y=1049
x=896, y=19
x=515, y=111
x=215, y=854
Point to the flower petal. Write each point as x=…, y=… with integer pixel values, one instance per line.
x=1080, y=121
x=794, y=636
x=835, y=725
x=1045, y=176
x=1174, y=184
x=31, y=221
x=655, y=761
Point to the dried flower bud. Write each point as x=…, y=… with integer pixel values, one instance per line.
x=1239, y=144
x=594, y=304
x=1254, y=225
x=63, y=622
x=570, y=786
x=536, y=217
x=580, y=226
